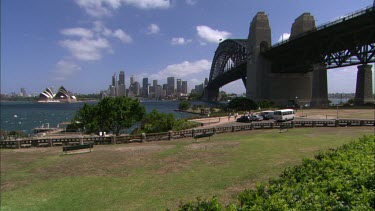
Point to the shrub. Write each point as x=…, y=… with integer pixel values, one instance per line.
x=342, y=179
x=184, y=105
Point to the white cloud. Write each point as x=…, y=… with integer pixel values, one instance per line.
x=86, y=49
x=211, y=35
x=92, y=42
x=80, y=32
x=342, y=79
x=191, y=2
x=184, y=69
x=284, y=37
x=180, y=41
x=65, y=68
x=120, y=34
x=101, y=8
x=153, y=29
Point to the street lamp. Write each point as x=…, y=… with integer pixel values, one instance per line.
x=15, y=125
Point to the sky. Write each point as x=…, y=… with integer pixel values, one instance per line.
x=80, y=44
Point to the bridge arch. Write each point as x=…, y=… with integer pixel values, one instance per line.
x=229, y=64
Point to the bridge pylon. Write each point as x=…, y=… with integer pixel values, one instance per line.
x=210, y=95
x=262, y=83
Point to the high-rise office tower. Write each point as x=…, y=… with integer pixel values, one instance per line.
x=184, y=87
x=132, y=79
x=121, y=84
x=179, y=87
x=170, y=87
x=114, y=84
x=145, y=87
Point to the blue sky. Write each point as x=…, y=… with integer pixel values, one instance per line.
x=81, y=43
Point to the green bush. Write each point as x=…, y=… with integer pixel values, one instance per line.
x=342, y=179
x=184, y=105
x=242, y=104
x=183, y=124
x=155, y=122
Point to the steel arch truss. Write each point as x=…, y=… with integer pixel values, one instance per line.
x=358, y=55
x=230, y=54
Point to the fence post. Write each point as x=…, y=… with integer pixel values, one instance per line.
x=337, y=123
x=313, y=124
x=50, y=143
x=143, y=137
x=251, y=126
x=214, y=129
x=170, y=135
x=113, y=139
x=272, y=125
x=292, y=124
x=233, y=129
x=193, y=133
x=18, y=144
x=361, y=123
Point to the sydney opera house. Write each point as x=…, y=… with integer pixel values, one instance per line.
x=62, y=96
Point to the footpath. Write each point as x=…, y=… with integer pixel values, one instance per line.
x=213, y=121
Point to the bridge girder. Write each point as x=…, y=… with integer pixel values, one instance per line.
x=346, y=41
x=233, y=50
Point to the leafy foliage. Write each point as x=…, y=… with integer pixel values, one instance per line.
x=266, y=104
x=184, y=105
x=155, y=122
x=110, y=114
x=183, y=124
x=199, y=204
x=242, y=104
x=342, y=179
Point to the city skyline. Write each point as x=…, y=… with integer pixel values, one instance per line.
x=171, y=90
x=79, y=44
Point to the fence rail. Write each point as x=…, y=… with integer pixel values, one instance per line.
x=98, y=140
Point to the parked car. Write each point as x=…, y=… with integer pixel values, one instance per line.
x=267, y=114
x=256, y=118
x=244, y=119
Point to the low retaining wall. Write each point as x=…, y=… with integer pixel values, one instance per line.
x=97, y=140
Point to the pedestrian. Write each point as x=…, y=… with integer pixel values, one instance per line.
x=235, y=116
x=229, y=116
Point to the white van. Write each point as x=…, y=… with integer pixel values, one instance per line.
x=267, y=114
x=284, y=115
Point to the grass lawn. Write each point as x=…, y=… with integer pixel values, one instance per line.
x=157, y=175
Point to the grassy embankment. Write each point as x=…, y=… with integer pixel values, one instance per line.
x=157, y=175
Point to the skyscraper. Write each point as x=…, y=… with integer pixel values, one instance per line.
x=179, y=87
x=170, y=86
x=132, y=79
x=184, y=87
x=114, y=84
x=145, y=87
x=121, y=84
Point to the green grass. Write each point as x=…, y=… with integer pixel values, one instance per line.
x=155, y=176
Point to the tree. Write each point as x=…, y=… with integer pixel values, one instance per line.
x=157, y=122
x=184, y=105
x=110, y=114
x=242, y=104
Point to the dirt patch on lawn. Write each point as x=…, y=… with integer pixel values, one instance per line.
x=212, y=146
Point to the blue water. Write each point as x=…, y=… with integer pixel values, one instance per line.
x=28, y=115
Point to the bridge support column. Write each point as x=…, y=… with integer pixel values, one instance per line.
x=363, y=92
x=211, y=94
x=319, y=98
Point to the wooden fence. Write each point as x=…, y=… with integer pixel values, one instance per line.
x=97, y=140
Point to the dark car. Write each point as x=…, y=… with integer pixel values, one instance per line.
x=244, y=119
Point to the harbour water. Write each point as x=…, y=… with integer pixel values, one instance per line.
x=28, y=115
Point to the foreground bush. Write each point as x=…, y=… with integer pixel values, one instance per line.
x=342, y=179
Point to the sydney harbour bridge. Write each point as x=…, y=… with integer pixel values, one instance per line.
x=297, y=67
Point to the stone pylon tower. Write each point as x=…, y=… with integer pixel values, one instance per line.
x=281, y=88
x=258, y=67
